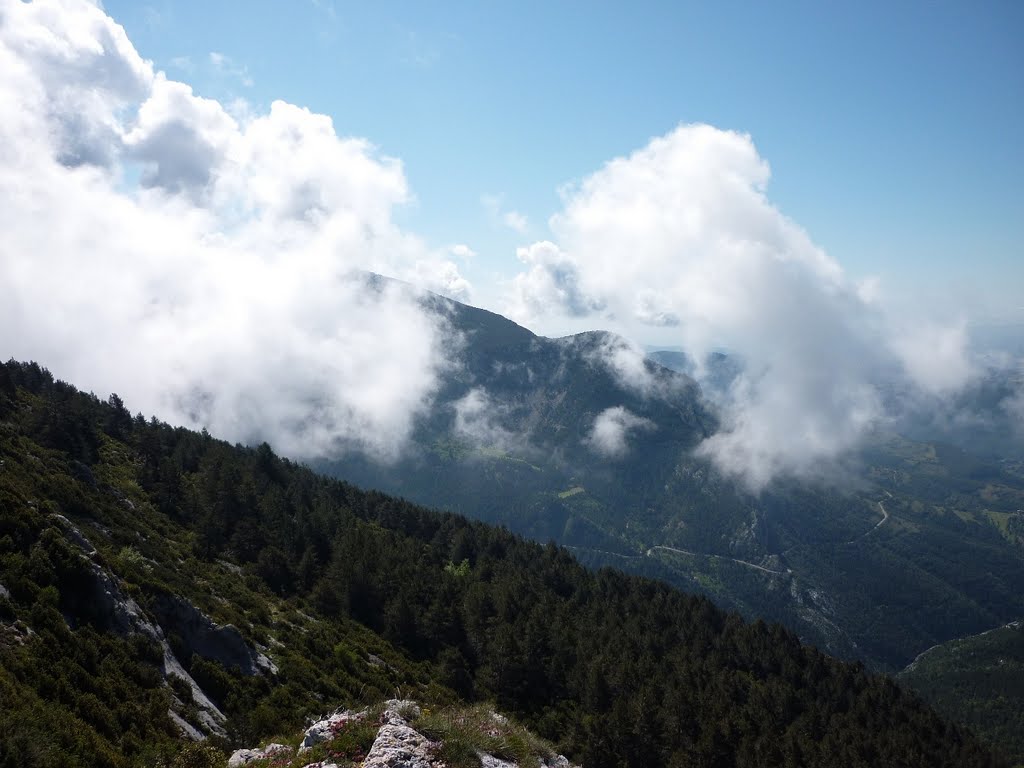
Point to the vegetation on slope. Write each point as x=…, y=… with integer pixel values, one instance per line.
x=354, y=594
x=978, y=680
x=880, y=598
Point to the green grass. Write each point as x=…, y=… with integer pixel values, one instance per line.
x=465, y=732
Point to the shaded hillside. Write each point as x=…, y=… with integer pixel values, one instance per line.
x=510, y=439
x=349, y=595
x=978, y=680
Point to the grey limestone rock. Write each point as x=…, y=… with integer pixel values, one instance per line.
x=400, y=746
x=75, y=536
x=558, y=761
x=242, y=757
x=323, y=730
x=117, y=612
x=200, y=635
x=490, y=761
x=186, y=728
x=404, y=709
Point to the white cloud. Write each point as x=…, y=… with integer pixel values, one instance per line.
x=441, y=277
x=477, y=419
x=551, y=281
x=681, y=235
x=181, y=140
x=1013, y=404
x=612, y=429
x=462, y=251
x=626, y=361
x=224, y=290
x=72, y=72
x=935, y=355
x=225, y=65
x=514, y=220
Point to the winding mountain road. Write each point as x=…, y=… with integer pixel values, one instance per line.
x=720, y=557
x=876, y=526
x=650, y=552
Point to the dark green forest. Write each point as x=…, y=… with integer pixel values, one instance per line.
x=946, y=564
x=357, y=596
x=978, y=680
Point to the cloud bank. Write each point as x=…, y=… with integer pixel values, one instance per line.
x=609, y=437
x=478, y=419
x=681, y=235
x=201, y=260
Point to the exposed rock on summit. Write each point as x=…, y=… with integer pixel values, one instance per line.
x=324, y=730
x=242, y=757
x=397, y=743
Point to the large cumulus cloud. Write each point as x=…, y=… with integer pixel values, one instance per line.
x=203, y=261
x=681, y=235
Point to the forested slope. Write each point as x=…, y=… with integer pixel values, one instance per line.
x=978, y=680
x=355, y=595
x=509, y=439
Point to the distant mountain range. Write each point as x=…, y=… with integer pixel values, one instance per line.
x=584, y=441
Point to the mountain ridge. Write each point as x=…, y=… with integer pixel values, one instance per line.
x=523, y=455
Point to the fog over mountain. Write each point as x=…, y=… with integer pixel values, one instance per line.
x=216, y=292
x=203, y=268
x=681, y=233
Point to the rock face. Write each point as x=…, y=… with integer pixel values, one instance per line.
x=75, y=536
x=200, y=635
x=184, y=727
x=116, y=612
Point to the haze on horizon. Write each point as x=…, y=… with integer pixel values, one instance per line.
x=190, y=248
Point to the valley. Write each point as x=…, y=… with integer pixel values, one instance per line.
x=908, y=548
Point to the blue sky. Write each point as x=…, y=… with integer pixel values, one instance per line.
x=894, y=130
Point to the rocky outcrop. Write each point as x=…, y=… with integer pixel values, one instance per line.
x=185, y=728
x=109, y=607
x=242, y=757
x=490, y=761
x=114, y=611
x=200, y=635
x=399, y=745
x=75, y=536
x=327, y=728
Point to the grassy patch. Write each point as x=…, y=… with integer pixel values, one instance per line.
x=464, y=733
